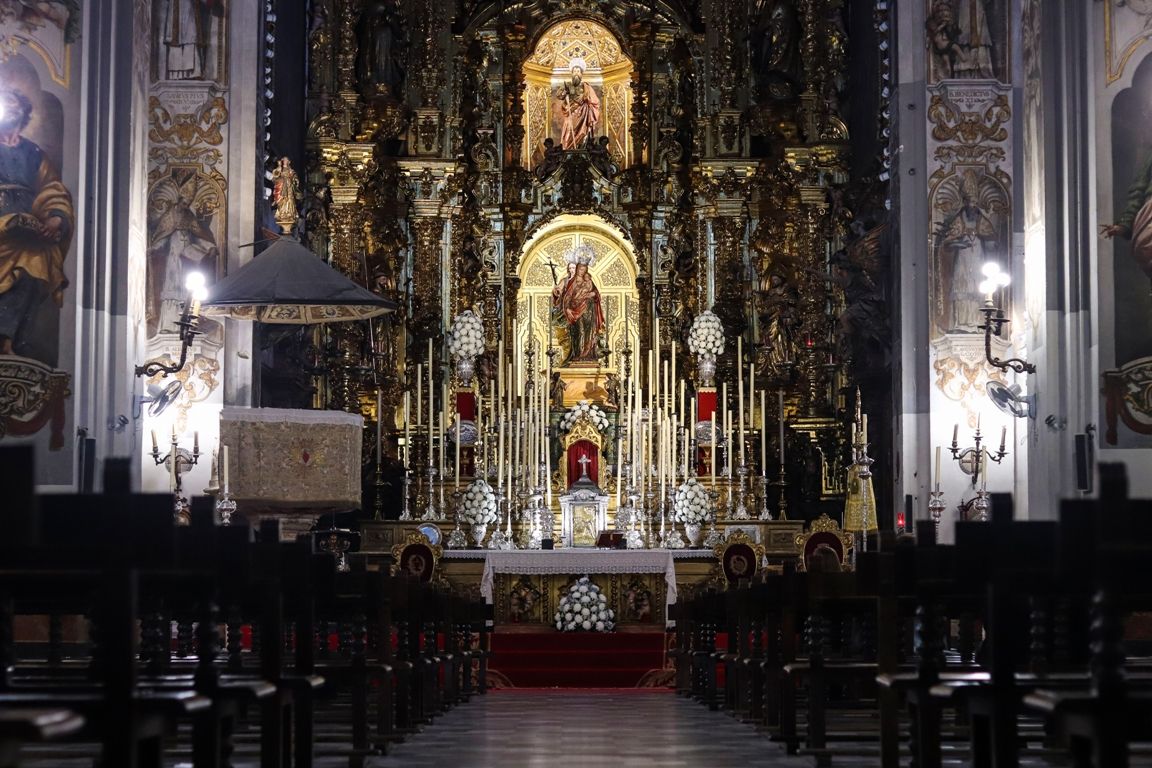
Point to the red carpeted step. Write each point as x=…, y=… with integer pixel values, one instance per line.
x=576, y=659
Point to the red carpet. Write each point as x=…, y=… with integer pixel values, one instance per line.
x=576, y=659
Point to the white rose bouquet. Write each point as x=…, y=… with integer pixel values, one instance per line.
x=584, y=608
x=478, y=506
x=692, y=503
x=598, y=418
x=466, y=337
x=706, y=336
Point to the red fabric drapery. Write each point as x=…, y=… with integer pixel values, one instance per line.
x=575, y=452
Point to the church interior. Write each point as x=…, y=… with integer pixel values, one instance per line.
x=502, y=382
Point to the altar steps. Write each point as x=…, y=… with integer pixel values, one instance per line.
x=551, y=659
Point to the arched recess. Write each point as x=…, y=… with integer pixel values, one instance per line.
x=606, y=68
x=613, y=271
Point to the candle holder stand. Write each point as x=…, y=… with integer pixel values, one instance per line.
x=782, y=500
x=970, y=459
x=406, y=510
x=457, y=539
x=741, y=507
x=178, y=461
x=430, y=510
x=980, y=506
x=714, y=536
x=936, y=507
x=765, y=513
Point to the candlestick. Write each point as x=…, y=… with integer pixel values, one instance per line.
x=728, y=443
x=763, y=434
x=456, y=443
x=936, y=476
x=864, y=429
x=173, y=475
x=955, y=435
x=752, y=392
x=155, y=445
x=196, y=442
x=1003, y=438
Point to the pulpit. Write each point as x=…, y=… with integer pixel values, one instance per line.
x=293, y=464
x=583, y=510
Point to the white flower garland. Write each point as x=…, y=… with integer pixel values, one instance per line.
x=584, y=608
x=706, y=336
x=598, y=418
x=478, y=505
x=466, y=337
x=692, y=503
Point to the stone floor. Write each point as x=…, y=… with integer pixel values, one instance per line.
x=606, y=729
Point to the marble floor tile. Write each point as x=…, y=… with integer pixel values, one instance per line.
x=593, y=729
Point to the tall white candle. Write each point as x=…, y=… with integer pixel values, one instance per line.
x=1003, y=438
x=456, y=448
x=763, y=433
x=619, y=468
x=419, y=394
x=155, y=445
x=780, y=395
x=442, y=431
x=864, y=429
x=728, y=442
x=712, y=448
x=224, y=467
x=407, y=426
x=955, y=433
x=173, y=458
x=740, y=410
x=752, y=394
x=379, y=425
x=936, y=475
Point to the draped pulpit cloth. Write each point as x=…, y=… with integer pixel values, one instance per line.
x=578, y=563
x=282, y=458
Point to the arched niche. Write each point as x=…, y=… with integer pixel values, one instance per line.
x=608, y=70
x=613, y=272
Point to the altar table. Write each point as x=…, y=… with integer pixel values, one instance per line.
x=573, y=561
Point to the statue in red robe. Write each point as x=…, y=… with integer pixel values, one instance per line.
x=580, y=107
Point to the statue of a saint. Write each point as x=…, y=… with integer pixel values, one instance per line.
x=285, y=193
x=580, y=107
x=381, y=62
x=576, y=309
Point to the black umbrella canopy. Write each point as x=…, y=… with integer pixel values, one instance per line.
x=288, y=283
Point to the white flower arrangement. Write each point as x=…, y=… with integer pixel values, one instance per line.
x=466, y=337
x=584, y=608
x=692, y=503
x=598, y=418
x=706, y=336
x=478, y=505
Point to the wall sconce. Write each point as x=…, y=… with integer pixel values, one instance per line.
x=994, y=319
x=188, y=326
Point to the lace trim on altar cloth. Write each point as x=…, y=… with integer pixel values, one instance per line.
x=537, y=562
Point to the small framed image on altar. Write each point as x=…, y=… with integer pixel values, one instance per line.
x=585, y=525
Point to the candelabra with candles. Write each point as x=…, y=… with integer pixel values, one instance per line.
x=457, y=539
x=974, y=460
x=178, y=461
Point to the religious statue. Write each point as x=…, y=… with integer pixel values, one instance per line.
x=182, y=240
x=185, y=37
x=1135, y=221
x=969, y=235
x=576, y=309
x=959, y=41
x=580, y=107
x=36, y=225
x=776, y=49
x=381, y=65
x=285, y=193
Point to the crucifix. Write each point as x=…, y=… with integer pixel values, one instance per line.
x=584, y=461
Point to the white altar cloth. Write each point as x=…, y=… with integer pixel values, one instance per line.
x=578, y=562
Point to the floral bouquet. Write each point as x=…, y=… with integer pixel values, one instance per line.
x=478, y=506
x=466, y=337
x=584, y=408
x=692, y=503
x=706, y=336
x=584, y=608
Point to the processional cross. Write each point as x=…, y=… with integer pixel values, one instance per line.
x=584, y=461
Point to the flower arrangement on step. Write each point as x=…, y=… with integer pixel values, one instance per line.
x=692, y=503
x=478, y=505
x=466, y=337
x=584, y=608
x=584, y=408
x=706, y=336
